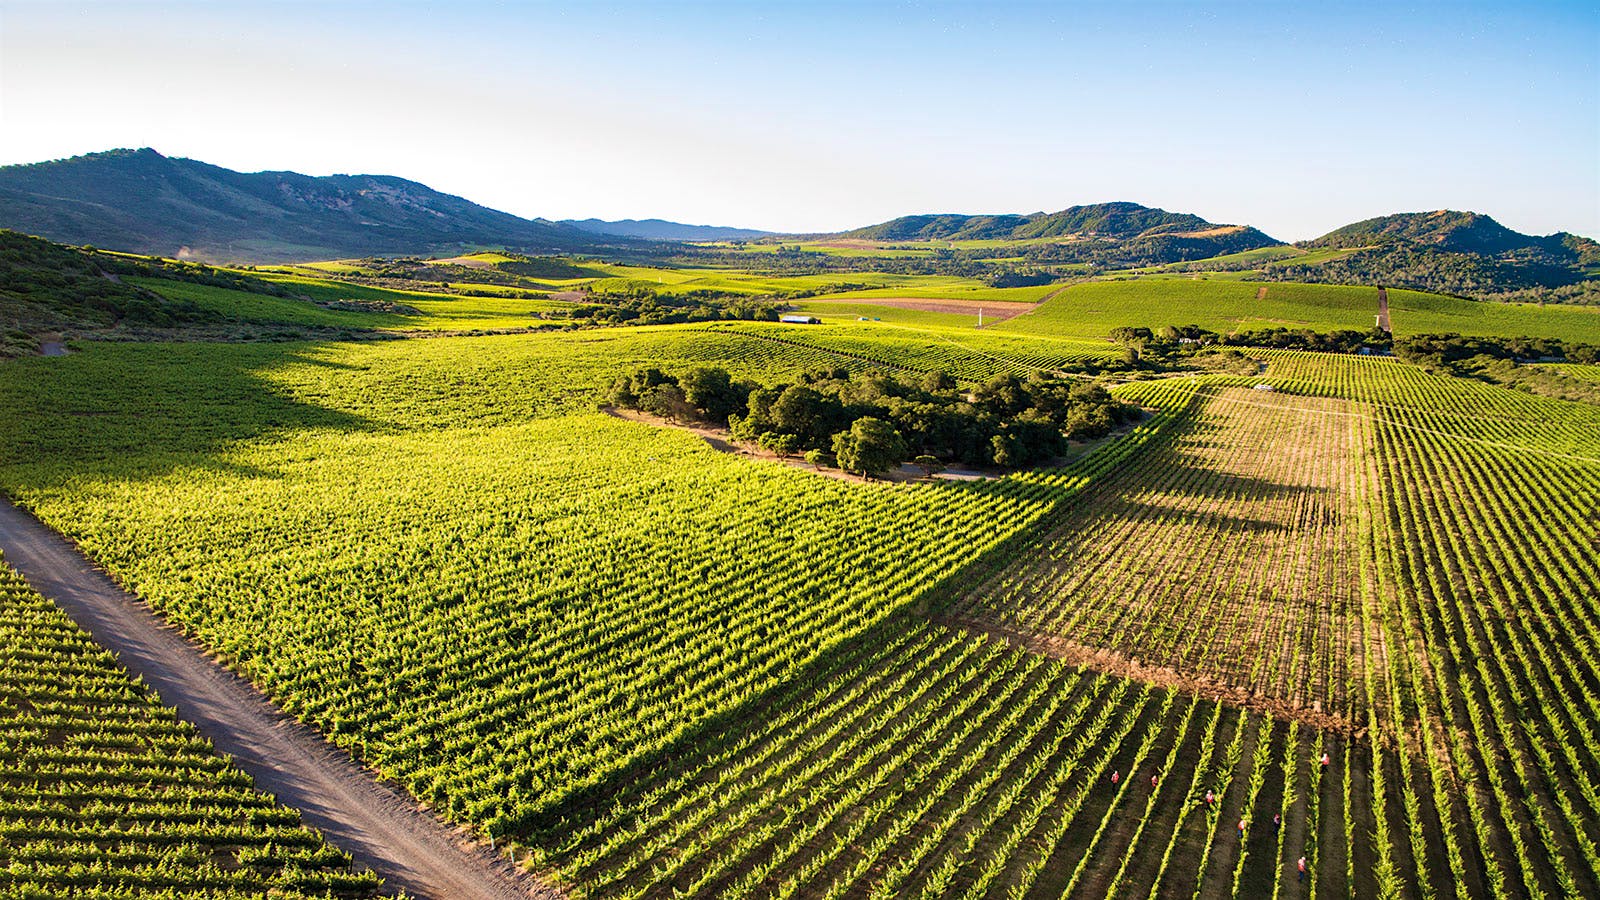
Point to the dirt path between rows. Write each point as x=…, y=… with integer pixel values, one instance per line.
x=1122, y=666
x=1383, y=310
x=377, y=824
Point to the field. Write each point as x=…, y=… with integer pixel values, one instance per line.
x=108, y=794
x=1365, y=602
x=1219, y=556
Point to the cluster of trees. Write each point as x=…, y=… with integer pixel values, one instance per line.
x=1172, y=343
x=1439, y=271
x=1440, y=350
x=870, y=423
x=639, y=305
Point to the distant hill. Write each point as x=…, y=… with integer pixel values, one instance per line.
x=142, y=202
x=1114, y=220
x=662, y=230
x=1454, y=252
x=1099, y=233
x=1456, y=232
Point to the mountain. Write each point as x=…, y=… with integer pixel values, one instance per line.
x=1106, y=220
x=1455, y=232
x=1454, y=252
x=1114, y=234
x=143, y=202
x=662, y=230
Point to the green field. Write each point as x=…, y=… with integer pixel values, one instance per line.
x=1364, y=601
x=106, y=793
x=451, y=517
x=1092, y=309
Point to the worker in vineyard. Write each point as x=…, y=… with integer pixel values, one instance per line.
x=1241, y=828
x=1154, y=780
x=1302, y=866
x=1277, y=822
x=1324, y=760
x=1211, y=800
x=1116, y=776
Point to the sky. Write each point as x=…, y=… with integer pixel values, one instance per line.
x=818, y=116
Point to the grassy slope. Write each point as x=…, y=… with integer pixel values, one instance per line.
x=1415, y=312
x=436, y=312
x=1092, y=309
x=179, y=466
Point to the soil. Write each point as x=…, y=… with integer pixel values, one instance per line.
x=1122, y=666
x=1383, y=310
x=374, y=821
x=1261, y=293
x=996, y=310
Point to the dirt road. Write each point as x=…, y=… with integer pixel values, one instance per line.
x=378, y=825
x=1383, y=310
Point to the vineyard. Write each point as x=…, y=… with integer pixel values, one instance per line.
x=107, y=794
x=1365, y=602
x=1220, y=553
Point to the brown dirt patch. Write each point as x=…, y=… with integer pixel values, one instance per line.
x=1261, y=293
x=464, y=261
x=1212, y=232
x=1114, y=663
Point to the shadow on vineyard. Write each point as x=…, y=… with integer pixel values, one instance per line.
x=153, y=408
x=1053, y=489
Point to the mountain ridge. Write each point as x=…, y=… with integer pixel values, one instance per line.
x=140, y=201
x=665, y=230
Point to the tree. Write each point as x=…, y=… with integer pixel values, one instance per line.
x=666, y=401
x=819, y=458
x=870, y=447
x=929, y=464
x=1004, y=450
x=779, y=442
x=804, y=411
x=712, y=392
x=934, y=382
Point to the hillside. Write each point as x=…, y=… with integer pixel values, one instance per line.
x=1101, y=233
x=1454, y=252
x=142, y=202
x=662, y=230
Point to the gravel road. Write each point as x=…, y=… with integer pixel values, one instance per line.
x=378, y=825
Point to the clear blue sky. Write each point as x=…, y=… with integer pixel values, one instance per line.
x=819, y=116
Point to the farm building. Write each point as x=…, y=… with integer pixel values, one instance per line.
x=1265, y=387
x=800, y=320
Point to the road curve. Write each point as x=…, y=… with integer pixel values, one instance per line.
x=376, y=824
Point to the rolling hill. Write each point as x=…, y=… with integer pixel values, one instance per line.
x=1101, y=233
x=1448, y=251
x=662, y=230
x=140, y=201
